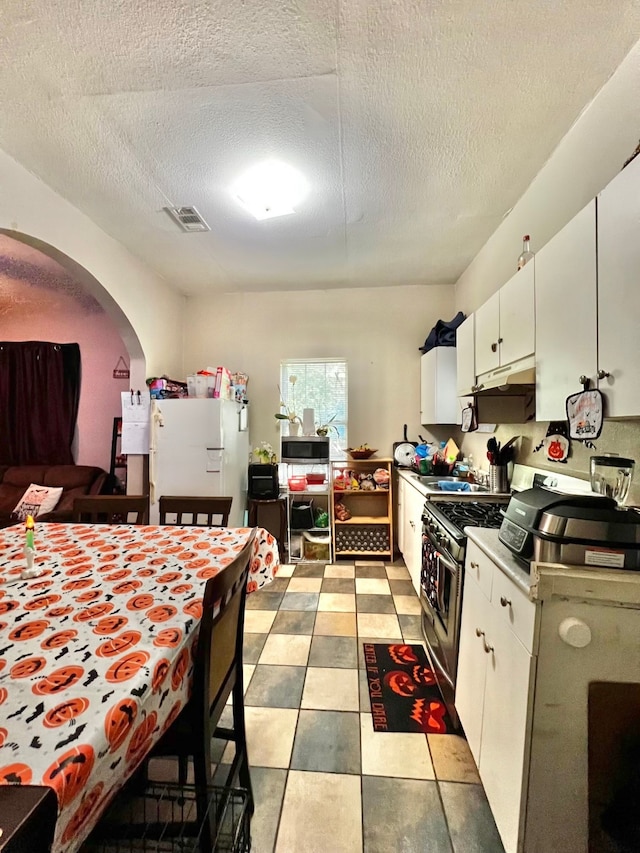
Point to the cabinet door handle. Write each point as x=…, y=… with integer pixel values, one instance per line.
x=583, y=379
x=603, y=374
x=494, y=347
x=488, y=649
x=412, y=524
x=476, y=388
x=479, y=633
x=505, y=601
x=474, y=565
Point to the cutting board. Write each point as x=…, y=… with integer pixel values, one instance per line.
x=451, y=450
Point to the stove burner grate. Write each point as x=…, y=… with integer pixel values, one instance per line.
x=472, y=513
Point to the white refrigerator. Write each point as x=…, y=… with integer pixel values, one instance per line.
x=199, y=447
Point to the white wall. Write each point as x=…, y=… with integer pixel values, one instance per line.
x=377, y=330
x=588, y=157
x=132, y=293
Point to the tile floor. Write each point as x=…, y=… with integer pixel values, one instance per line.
x=324, y=781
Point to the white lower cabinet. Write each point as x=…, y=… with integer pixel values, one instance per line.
x=493, y=696
x=410, y=505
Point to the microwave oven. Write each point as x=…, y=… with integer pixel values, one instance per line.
x=304, y=448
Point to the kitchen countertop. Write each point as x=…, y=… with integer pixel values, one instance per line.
x=487, y=540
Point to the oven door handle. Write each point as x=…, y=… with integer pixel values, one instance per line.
x=452, y=566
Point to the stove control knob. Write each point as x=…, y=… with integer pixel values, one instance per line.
x=574, y=632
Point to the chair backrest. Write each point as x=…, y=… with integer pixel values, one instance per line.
x=195, y=511
x=111, y=509
x=219, y=656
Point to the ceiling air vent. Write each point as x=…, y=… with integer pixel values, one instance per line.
x=188, y=218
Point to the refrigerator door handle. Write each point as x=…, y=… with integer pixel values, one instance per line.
x=215, y=448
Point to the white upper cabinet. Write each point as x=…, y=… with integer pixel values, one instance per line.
x=466, y=356
x=487, y=345
x=517, y=316
x=505, y=324
x=619, y=292
x=566, y=314
x=438, y=387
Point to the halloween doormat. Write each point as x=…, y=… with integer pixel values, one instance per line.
x=403, y=690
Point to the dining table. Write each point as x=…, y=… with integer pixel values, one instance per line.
x=97, y=651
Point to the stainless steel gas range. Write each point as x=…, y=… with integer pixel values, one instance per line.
x=443, y=552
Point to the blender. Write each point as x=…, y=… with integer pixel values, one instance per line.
x=611, y=476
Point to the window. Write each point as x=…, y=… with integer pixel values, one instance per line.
x=321, y=385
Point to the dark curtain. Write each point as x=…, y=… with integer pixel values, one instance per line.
x=39, y=395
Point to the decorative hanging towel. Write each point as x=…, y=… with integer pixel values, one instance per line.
x=556, y=442
x=585, y=411
x=469, y=419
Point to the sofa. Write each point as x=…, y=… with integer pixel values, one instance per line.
x=75, y=480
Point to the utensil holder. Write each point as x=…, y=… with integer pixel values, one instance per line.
x=498, y=480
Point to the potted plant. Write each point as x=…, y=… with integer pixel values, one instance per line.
x=265, y=453
x=289, y=413
x=324, y=429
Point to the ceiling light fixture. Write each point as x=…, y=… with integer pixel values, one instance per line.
x=270, y=189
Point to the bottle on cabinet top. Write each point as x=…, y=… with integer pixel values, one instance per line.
x=527, y=254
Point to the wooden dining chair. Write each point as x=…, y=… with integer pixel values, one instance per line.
x=217, y=674
x=111, y=509
x=195, y=511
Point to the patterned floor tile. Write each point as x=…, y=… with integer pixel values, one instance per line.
x=264, y=600
x=471, y=824
x=375, y=604
x=276, y=686
x=346, y=585
x=329, y=689
x=367, y=571
x=268, y=793
x=300, y=601
x=335, y=624
x=340, y=572
x=327, y=741
x=258, y=621
x=378, y=625
x=286, y=649
x=369, y=564
x=402, y=587
x=397, y=573
x=336, y=602
x=408, y=605
x=411, y=627
x=274, y=750
x=286, y=570
x=340, y=652
x=405, y=755
x=297, y=584
x=372, y=586
x=252, y=647
x=452, y=759
x=315, y=803
x=293, y=622
x=309, y=570
x=365, y=699
x=403, y=815
x=278, y=584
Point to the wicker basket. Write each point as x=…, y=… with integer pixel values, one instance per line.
x=162, y=819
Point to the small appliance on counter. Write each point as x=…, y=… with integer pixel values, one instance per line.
x=611, y=475
x=582, y=530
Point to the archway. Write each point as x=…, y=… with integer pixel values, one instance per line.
x=58, y=277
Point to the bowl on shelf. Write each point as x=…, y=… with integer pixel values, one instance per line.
x=361, y=454
x=316, y=479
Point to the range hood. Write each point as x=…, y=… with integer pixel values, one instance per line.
x=521, y=372
x=507, y=394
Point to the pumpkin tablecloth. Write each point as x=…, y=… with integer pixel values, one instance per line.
x=96, y=653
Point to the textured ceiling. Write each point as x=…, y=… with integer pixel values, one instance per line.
x=417, y=123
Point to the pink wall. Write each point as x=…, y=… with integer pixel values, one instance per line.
x=39, y=300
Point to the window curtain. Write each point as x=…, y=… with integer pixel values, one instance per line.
x=39, y=396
